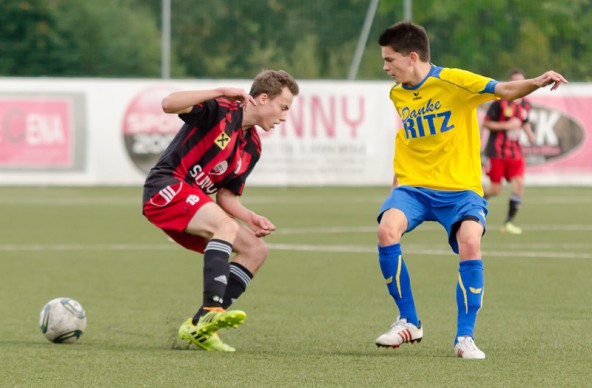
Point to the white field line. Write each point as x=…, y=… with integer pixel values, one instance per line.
x=86, y=247
x=427, y=227
x=328, y=230
x=559, y=200
x=283, y=199
x=359, y=249
x=416, y=250
x=126, y=200
x=69, y=201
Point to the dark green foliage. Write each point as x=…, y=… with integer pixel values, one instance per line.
x=313, y=39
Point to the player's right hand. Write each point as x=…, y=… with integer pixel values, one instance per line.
x=550, y=78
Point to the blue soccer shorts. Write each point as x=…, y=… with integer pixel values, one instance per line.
x=445, y=207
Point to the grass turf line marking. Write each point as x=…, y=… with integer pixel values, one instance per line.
x=426, y=227
x=126, y=200
x=409, y=249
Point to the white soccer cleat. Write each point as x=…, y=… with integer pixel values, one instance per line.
x=466, y=348
x=400, y=332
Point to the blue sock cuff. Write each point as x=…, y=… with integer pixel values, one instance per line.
x=467, y=265
x=394, y=249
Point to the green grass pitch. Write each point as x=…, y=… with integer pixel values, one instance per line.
x=313, y=310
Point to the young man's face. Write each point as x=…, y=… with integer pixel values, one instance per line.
x=273, y=111
x=397, y=65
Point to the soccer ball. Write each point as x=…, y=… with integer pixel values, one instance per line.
x=62, y=320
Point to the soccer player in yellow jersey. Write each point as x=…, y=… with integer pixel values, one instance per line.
x=437, y=174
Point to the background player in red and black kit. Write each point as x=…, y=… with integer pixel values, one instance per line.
x=214, y=152
x=505, y=121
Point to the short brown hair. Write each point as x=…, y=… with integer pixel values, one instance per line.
x=272, y=82
x=405, y=37
x=515, y=71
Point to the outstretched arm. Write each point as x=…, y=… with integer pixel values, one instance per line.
x=182, y=102
x=511, y=90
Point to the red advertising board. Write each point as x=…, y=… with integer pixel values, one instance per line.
x=36, y=132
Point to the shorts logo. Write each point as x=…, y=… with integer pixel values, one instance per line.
x=475, y=290
x=166, y=195
x=222, y=140
x=192, y=199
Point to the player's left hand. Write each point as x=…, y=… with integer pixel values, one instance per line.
x=261, y=226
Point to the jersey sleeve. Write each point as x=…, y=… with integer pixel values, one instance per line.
x=480, y=88
x=202, y=115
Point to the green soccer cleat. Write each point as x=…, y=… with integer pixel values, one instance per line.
x=204, y=334
x=188, y=332
x=216, y=319
x=511, y=228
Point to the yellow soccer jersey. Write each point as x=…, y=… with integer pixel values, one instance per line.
x=439, y=145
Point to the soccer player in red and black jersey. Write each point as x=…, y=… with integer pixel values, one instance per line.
x=214, y=153
x=505, y=120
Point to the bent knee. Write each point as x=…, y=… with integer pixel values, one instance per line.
x=388, y=234
x=255, y=250
x=470, y=247
x=260, y=250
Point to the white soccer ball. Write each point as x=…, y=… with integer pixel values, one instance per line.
x=62, y=320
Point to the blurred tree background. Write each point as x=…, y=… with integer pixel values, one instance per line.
x=313, y=39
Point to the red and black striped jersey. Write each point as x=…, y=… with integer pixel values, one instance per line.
x=505, y=144
x=211, y=151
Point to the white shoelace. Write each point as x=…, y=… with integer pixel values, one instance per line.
x=399, y=324
x=470, y=344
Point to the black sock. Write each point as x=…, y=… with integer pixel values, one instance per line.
x=515, y=202
x=215, y=272
x=237, y=284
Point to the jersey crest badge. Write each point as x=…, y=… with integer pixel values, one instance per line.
x=220, y=168
x=222, y=140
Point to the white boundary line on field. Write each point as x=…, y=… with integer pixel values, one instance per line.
x=288, y=199
x=416, y=250
x=73, y=201
x=428, y=227
x=363, y=249
x=87, y=247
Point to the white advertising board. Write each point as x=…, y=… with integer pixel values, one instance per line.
x=110, y=132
